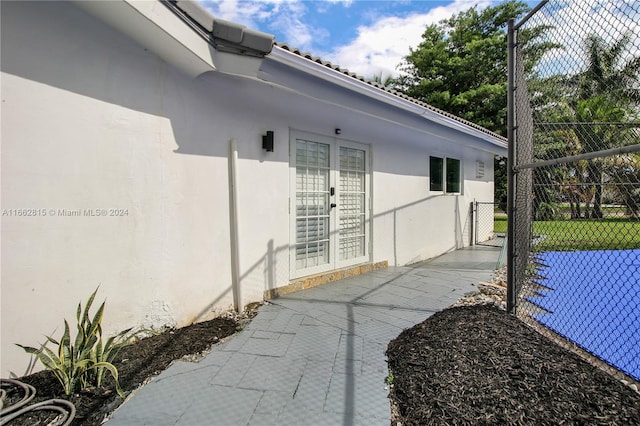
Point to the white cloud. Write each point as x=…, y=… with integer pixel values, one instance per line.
x=381, y=46
x=343, y=2
x=574, y=21
x=284, y=16
x=289, y=21
x=238, y=11
x=378, y=47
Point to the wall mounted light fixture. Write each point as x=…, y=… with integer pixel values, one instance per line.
x=338, y=131
x=267, y=141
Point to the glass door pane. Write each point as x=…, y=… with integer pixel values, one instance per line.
x=352, y=203
x=312, y=204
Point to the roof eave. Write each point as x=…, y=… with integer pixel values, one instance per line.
x=185, y=35
x=155, y=27
x=224, y=35
x=325, y=71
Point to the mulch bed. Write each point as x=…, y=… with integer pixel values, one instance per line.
x=479, y=365
x=465, y=365
x=136, y=364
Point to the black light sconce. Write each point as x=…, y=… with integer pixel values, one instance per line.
x=338, y=131
x=267, y=141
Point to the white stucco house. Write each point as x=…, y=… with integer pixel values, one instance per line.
x=188, y=165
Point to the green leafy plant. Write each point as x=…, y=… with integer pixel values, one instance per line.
x=546, y=211
x=84, y=362
x=389, y=379
x=105, y=353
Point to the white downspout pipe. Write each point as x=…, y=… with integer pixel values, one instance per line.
x=233, y=219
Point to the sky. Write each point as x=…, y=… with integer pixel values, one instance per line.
x=371, y=37
x=367, y=37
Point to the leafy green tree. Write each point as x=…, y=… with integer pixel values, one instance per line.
x=583, y=105
x=612, y=71
x=626, y=169
x=461, y=64
x=607, y=92
x=500, y=179
x=461, y=67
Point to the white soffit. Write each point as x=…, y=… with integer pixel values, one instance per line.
x=341, y=79
x=155, y=27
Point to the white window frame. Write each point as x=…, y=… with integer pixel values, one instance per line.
x=443, y=177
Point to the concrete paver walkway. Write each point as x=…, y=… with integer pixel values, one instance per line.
x=316, y=357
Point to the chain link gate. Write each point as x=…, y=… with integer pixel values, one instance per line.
x=574, y=178
x=489, y=224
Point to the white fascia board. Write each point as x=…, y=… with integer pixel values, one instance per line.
x=155, y=27
x=315, y=69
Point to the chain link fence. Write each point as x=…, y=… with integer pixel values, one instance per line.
x=489, y=224
x=574, y=129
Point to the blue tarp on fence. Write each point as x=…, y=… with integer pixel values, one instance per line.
x=593, y=299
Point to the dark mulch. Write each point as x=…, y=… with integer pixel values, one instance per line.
x=136, y=363
x=468, y=365
x=478, y=365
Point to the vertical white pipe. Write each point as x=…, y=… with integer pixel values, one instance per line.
x=233, y=219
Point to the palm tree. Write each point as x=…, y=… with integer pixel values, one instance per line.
x=607, y=91
x=626, y=168
x=611, y=70
x=381, y=79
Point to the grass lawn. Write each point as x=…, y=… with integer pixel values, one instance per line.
x=500, y=224
x=609, y=210
x=571, y=235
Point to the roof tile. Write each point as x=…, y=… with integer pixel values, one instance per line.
x=388, y=90
x=261, y=44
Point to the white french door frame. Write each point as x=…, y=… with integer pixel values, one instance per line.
x=332, y=190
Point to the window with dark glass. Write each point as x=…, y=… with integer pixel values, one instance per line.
x=436, y=171
x=453, y=175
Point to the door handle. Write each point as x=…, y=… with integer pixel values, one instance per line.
x=332, y=191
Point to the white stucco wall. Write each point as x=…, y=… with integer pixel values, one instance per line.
x=412, y=223
x=91, y=120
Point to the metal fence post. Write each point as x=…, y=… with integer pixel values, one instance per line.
x=573, y=199
x=474, y=215
x=511, y=287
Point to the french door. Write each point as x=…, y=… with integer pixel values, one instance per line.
x=329, y=204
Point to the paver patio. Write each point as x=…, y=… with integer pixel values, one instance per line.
x=315, y=357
